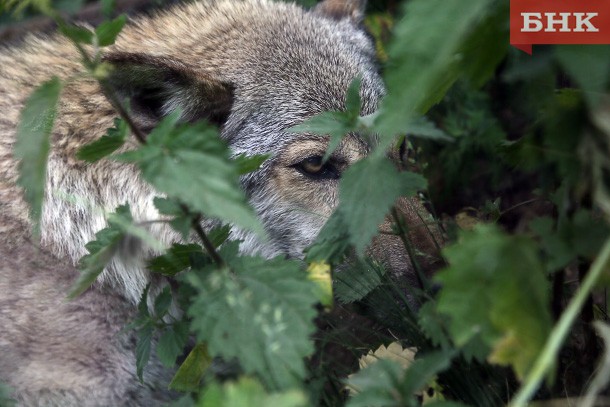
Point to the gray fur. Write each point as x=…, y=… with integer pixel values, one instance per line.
x=255, y=67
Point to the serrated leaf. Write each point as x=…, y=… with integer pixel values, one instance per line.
x=143, y=346
x=108, y=31
x=376, y=181
x=356, y=279
x=429, y=58
x=375, y=385
x=78, y=34
x=182, y=221
x=433, y=325
x=176, y=259
x=265, y=306
x=162, y=302
x=423, y=371
x=249, y=163
x=495, y=288
x=172, y=342
x=32, y=144
x=101, y=250
x=387, y=383
x=106, y=145
x=194, y=152
x=190, y=373
x=332, y=241
x=249, y=392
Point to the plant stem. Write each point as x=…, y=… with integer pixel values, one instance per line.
x=207, y=244
x=558, y=335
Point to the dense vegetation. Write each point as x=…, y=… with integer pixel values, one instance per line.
x=515, y=150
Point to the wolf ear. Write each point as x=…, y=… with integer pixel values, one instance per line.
x=157, y=86
x=342, y=9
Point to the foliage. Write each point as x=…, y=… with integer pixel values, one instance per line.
x=519, y=143
x=32, y=145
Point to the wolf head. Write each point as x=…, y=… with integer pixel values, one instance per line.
x=256, y=68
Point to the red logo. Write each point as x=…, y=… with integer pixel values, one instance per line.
x=559, y=22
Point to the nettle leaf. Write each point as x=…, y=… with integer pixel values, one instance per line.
x=108, y=31
x=335, y=124
x=113, y=140
x=101, y=250
x=182, y=221
x=433, y=325
x=496, y=288
x=429, y=58
x=376, y=385
x=78, y=34
x=367, y=191
x=265, y=306
x=176, y=259
x=386, y=383
x=189, y=162
x=172, y=341
x=249, y=163
x=32, y=144
x=356, y=280
x=332, y=241
x=249, y=392
x=189, y=375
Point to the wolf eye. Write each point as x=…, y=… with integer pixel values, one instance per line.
x=315, y=168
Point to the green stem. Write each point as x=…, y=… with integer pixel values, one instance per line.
x=549, y=354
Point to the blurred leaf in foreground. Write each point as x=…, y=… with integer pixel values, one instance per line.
x=496, y=288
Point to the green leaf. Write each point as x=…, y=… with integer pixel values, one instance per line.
x=176, y=259
x=143, y=347
x=264, y=306
x=332, y=241
x=429, y=58
x=495, y=288
x=101, y=250
x=357, y=279
x=191, y=371
x=183, y=219
x=423, y=371
x=367, y=191
x=172, y=342
x=433, y=325
x=424, y=128
x=249, y=163
x=194, y=152
x=109, y=143
x=386, y=383
x=5, y=396
x=335, y=124
x=78, y=34
x=249, y=392
x=376, y=385
x=588, y=65
x=162, y=302
x=108, y=31
x=32, y=144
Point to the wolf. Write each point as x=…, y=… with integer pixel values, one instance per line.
x=256, y=68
